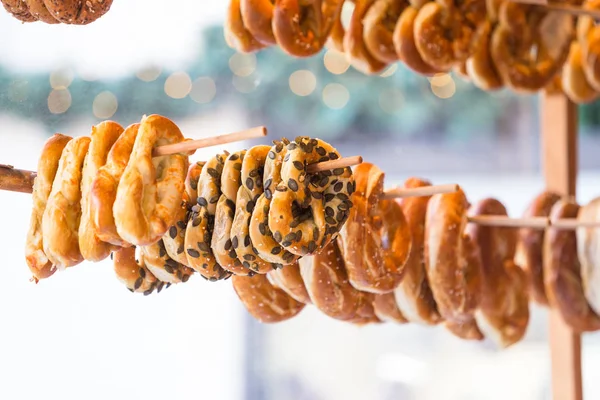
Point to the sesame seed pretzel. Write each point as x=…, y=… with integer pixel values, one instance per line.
x=376, y=240
x=103, y=137
x=78, y=12
x=447, y=32
x=200, y=226
x=248, y=193
x=236, y=34
x=60, y=224
x=260, y=234
x=308, y=210
x=221, y=243
x=103, y=192
x=132, y=271
x=37, y=261
x=38, y=9
x=151, y=188
x=19, y=10
x=258, y=19
x=265, y=302
x=162, y=266
x=174, y=239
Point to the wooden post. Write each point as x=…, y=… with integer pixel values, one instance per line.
x=558, y=118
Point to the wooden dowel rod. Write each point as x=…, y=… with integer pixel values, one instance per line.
x=333, y=164
x=401, y=192
x=190, y=146
x=15, y=180
x=501, y=221
x=573, y=223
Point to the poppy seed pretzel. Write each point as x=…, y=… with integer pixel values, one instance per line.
x=133, y=273
x=260, y=234
x=308, y=210
x=200, y=226
x=221, y=244
x=162, y=266
x=174, y=239
x=248, y=194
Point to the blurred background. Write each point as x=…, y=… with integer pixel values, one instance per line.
x=83, y=335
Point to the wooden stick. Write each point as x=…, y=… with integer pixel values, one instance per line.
x=573, y=223
x=502, y=221
x=15, y=180
x=401, y=192
x=333, y=164
x=190, y=146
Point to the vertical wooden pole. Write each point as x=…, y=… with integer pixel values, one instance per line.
x=559, y=159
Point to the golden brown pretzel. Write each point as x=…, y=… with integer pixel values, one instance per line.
x=236, y=34
x=308, y=210
x=503, y=313
x=481, y=67
x=162, y=266
x=260, y=234
x=78, y=12
x=38, y=9
x=19, y=9
x=379, y=24
x=289, y=279
x=338, y=32
x=151, y=189
x=447, y=32
x=562, y=272
x=529, y=255
x=413, y=294
x=301, y=27
x=60, y=223
x=404, y=42
x=376, y=240
x=453, y=263
x=265, y=302
x=221, y=243
x=386, y=308
x=191, y=180
x=37, y=261
x=521, y=29
x=103, y=192
x=199, y=231
x=574, y=81
x=133, y=273
x=588, y=38
x=588, y=251
x=257, y=16
x=174, y=239
x=354, y=41
x=103, y=136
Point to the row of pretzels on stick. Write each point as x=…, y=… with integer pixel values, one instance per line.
x=493, y=43
x=71, y=12
x=293, y=224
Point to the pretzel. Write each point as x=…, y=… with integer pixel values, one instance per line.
x=453, y=263
x=162, y=266
x=236, y=34
x=481, y=67
x=289, y=279
x=60, y=223
x=308, y=210
x=588, y=245
x=376, y=240
x=335, y=40
x=562, y=272
x=447, y=32
x=221, y=243
x=103, y=191
x=413, y=294
x=150, y=189
x=503, y=312
x=38, y=9
x=134, y=273
x=265, y=302
x=521, y=29
x=379, y=24
x=386, y=308
x=529, y=248
x=574, y=81
x=78, y=12
x=199, y=232
x=192, y=178
x=326, y=281
x=301, y=28
x=260, y=235
x=174, y=239
x=19, y=10
x=248, y=193
x=404, y=42
x=460, y=70
x=588, y=38
x=103, y=137
x=354, y=41
x=257, y=16
x=37, y=261
x=365, y=313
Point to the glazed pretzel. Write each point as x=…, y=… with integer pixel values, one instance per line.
x=574, y=80
x=481, y=67
x=588, y=244
x=588, y=38
x=354, y=41
x=379, y=25
x=257, y=16
x=39, y=264
x=236, y=34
